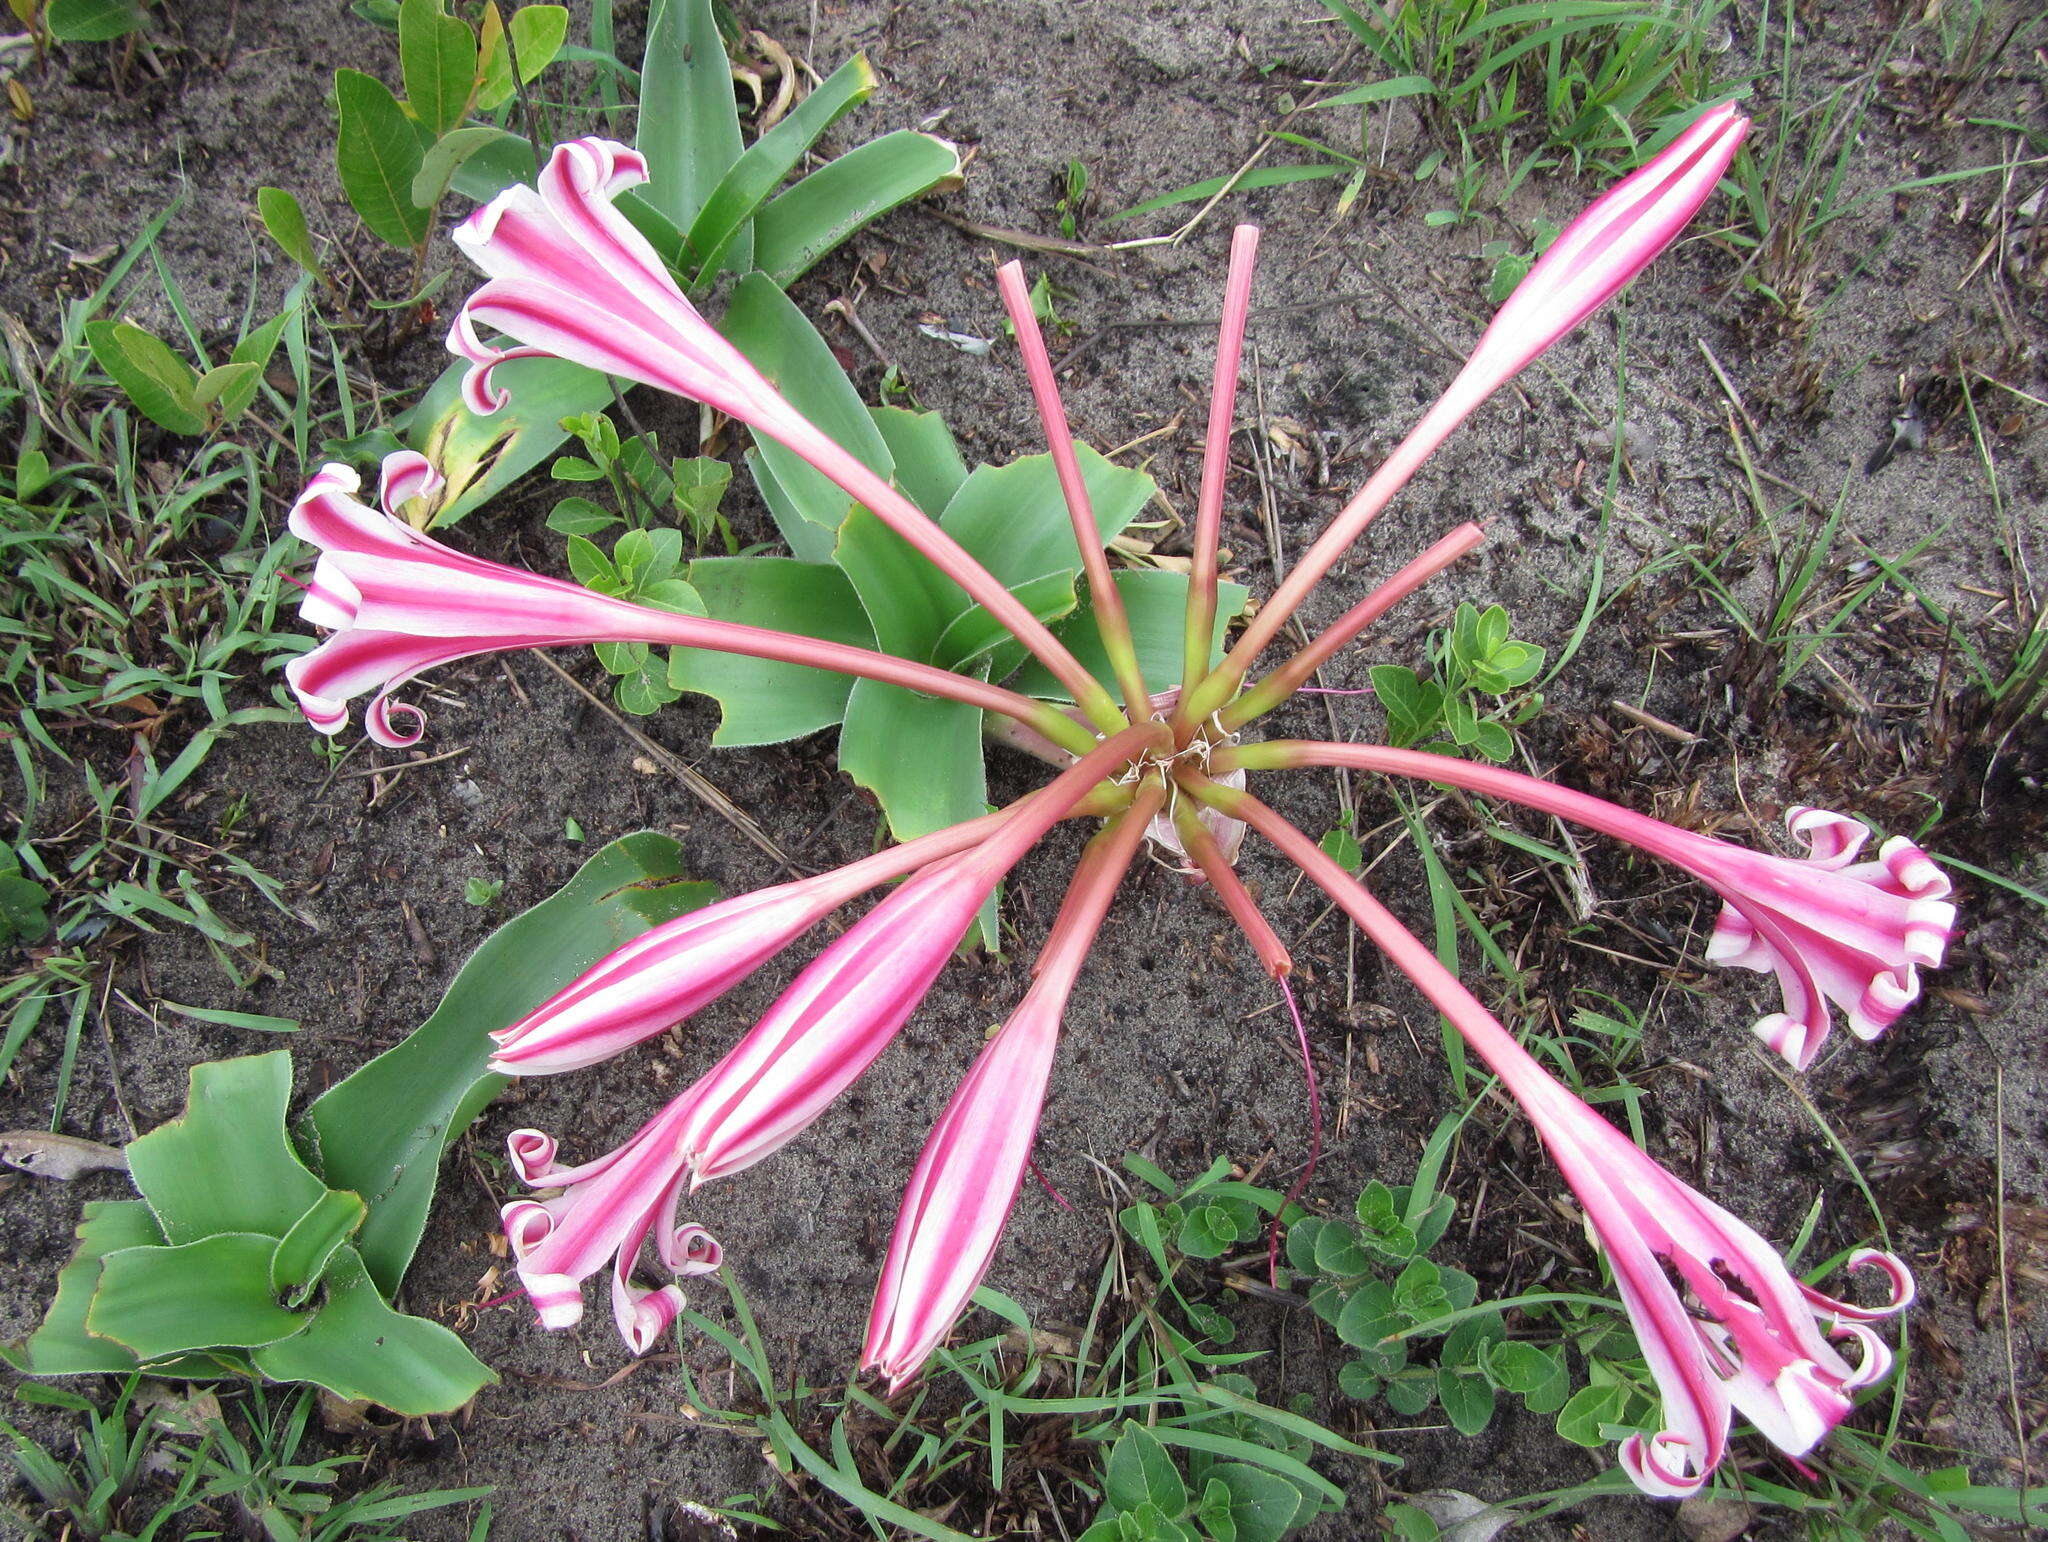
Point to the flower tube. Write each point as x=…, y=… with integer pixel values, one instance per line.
x=399, y=602
x=1591, y=260
x=569, y=277
x=1742, y=1333
x=966, y=1179
x=1832, y=928
x=668, y=974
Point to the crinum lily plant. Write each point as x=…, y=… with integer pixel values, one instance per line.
x=1723, y=1323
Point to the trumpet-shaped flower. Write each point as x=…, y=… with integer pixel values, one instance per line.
x=604, y=1214
x=1722, y=1322
x=972, y=1165
x=1834, y=929
x=671, y=972
x=399, y=602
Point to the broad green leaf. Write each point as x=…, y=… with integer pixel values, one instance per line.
x=763, y=702
x=94, y=21
x=481, y=457
x=1263, y=1504
x=767, y=327
x=377, y=154
x=360, y=1349
x=500, y=163
x=807, y=539
x=537, y=33
x=286, y=223
x=225, y=1165
x=380, y=1131
x=928, y=464
x=760, y=170
x=444, y=157
x=975, y=632
x=1156, y=603
x=143, y=366
x=228, y=388
x=919, y=755
x=1140, y=1472
x=1467, y=1400
x=689, y=119
x=62, y=1346
x=214, y=1293
x=303, y=1253
x=1581, y=1419
x=1015, y=521
x=909, y=602
x=437, y=59
x=801, y=225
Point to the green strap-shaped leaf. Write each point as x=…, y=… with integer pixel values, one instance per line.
x=1156, y=602
x=437, y=58
x=225, y=1165
x=481, y=457
x=303, y=1253
x=975, y=632
x=689, y=119
x=763, y=702
x=774, y=335
x=205, y=1295
x=908, y=600
x=919, y=755
x=928, y=464
x=380, y=1132
x=62, y=1346
x=759, y=171
x=377, y=154
x=801, y=225
x=359, y=1348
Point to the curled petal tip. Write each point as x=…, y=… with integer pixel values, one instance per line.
x=1642, y=1457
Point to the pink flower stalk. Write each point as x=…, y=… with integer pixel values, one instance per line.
x=967, y=1177
x=672, y=972
x=1833, y=929
x=1722, y=1322
x=399, y=602
x=1591, y=260
x=570, y=278
x=812, y=1044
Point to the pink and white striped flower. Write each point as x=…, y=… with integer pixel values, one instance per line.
x=1721, y=1321
x=1834, y=929
x=667, y=974
x=400, y=602
x=961, y=1191
x=1830, y=927
x=571, y=278
x=968, y=1174
x=603, y=1214
x=809, y=1047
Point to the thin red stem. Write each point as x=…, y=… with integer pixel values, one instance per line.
x=1291, y=676
x=1315, y=1134
x=1201, y=610
x=1110, y=619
